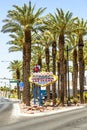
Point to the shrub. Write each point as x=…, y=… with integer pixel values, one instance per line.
x=75, y=101
x=58, y=101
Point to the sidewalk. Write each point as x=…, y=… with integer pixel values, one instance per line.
x=26, y=111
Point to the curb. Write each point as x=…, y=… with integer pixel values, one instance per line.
x=17, y=111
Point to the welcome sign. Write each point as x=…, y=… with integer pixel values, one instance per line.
x=43, y=78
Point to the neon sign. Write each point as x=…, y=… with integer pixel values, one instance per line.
x=43, y=78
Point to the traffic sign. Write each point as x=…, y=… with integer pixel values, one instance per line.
x=21, y=88
x=13, y=81
x=21, y=84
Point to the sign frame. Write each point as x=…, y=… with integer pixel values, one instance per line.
x=43, y=78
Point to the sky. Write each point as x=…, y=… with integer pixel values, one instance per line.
x=77, y=7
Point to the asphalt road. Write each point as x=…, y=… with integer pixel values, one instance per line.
x=72, y=120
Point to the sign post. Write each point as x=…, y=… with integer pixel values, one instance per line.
x=34, y=92
x=21, y=87
x=36, y=69
x=42, y=79
x=39, y=93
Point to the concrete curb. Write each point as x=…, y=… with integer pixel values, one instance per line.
x=17, y=111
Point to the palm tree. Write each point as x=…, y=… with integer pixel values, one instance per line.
x=53, y=34
x=81, y=31
x=16, y=42
x=16, y=66
x=43, y=40
x=37, y=47
x=73, y=57
x=24, y=18
x=63, y=26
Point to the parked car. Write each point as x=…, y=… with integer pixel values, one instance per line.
x=44, y=95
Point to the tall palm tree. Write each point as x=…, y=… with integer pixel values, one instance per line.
x=25, y=18
x=50, y=21
x=17, y=44
x=47, y=40
x=62, y=24
x=16, y=66
x=43, y=39
x=73, y=57
x=81, y=32
x=37, y=48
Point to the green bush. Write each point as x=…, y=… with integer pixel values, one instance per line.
x=75, y=100
x=58, y=101
x=13, y=96
x=85, y=96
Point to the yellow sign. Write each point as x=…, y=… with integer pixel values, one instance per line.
x=43, y=78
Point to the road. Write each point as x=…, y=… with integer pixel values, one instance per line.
x=71, y=120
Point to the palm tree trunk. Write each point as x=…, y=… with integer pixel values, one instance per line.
x=65, y=79
x=27, y=66
x=40, y=62
x=47, y=64
x=18, y=91
x=59, y=80
x=54, y=71
x=24, y=64
x=61, y=60
x=81, y=68
x=75, y=73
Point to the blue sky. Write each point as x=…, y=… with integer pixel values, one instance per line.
x=77, y=7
